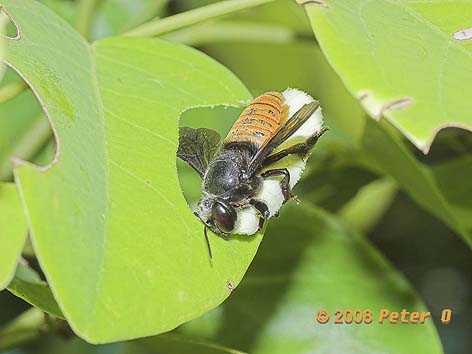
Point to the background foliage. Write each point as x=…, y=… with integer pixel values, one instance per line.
x=113, y=247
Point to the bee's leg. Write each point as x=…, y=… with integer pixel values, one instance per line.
x=261, y=223
x=300, y=149
x=284, y=183
x=263, y=210
x=261, y=207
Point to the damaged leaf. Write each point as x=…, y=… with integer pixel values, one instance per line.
x=395, y=58
x=111, y=228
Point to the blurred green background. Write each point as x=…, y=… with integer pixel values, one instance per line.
x=272, y=47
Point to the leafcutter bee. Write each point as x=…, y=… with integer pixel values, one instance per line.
x=249, y=175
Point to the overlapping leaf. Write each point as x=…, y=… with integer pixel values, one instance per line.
x=28, y=286
x=13, y=232
x=400, y=61
x=123, y=253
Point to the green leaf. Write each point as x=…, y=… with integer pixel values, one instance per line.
x=111, y=228
x=13, y=232
x=399, y=63
x=453, y=180
x=2, y=45
x=391, y=155
x=21, y=330
x=169, y=343
x=322, y=265
x=28, y=287
x=366, y=209
x=449, y=16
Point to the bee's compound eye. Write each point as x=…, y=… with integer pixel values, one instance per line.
x=224, y=216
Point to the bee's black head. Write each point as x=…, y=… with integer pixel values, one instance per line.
x=217, y=214
x=224, y=216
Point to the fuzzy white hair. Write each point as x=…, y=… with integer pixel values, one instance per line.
x=270, y=192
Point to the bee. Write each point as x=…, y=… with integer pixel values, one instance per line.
x=245, y=180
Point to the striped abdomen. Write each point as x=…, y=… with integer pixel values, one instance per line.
x=260, y=120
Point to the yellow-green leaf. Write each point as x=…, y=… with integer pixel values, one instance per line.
x=123, y=254
x=400, y=61
x=13, y=232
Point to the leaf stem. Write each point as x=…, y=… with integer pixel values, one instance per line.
x=231, y=31
x=10, y=90
x=28, y=146
x=157, y=27
x=85, y=10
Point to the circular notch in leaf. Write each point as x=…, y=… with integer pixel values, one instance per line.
x=400, y=61
x=123, y=253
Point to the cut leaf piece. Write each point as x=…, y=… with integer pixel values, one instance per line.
x=398, y=64
x=13, y=232
x=111, y=228
x=311, y=262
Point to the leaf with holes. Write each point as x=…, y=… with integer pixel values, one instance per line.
x=13, y=232
x=110, y=226
x=401, y=60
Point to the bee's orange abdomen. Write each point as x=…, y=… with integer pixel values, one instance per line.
x=260, y=120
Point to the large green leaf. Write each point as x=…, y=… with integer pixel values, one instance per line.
x=2, y=45
x=121, y=250
x=13, y=232
x=309, y=261
x=399, y=62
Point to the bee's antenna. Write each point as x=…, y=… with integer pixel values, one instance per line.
x=207, y=240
